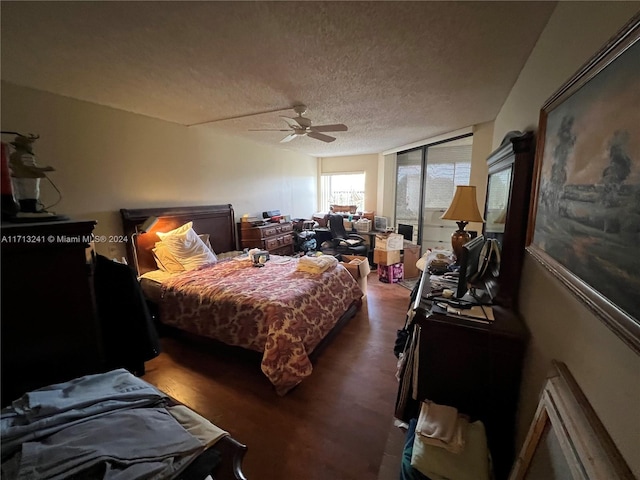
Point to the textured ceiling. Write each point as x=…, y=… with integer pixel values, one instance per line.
x=393, y=72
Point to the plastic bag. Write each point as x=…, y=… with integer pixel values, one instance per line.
x=436, y=261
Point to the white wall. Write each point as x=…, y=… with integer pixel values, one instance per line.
x=482, y=148
x=107, y=159
x=561, y=328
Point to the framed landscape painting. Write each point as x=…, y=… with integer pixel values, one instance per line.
x=585, y=220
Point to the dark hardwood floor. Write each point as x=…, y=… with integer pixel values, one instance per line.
x=333, y=426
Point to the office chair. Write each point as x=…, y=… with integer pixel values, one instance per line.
x=342, y=242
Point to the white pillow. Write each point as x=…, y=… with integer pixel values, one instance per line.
x=187, y=247
x=176, y=231
x=205, y=238
x=165, y=259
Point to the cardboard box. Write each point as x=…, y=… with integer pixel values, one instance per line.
x=389, y=241
x=386, y=257
x=391, y=273
x=410, y=257
x=358, y=268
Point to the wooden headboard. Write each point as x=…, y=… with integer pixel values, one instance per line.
x=216, y=220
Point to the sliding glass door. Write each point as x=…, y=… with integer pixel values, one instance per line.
x=409, y=189
x=426, y=178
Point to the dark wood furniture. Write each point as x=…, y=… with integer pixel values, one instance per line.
x=475, y=367
x=512, y=163
x=276, y=238
x=232, y=453
x=216, y=220
x=50, y=330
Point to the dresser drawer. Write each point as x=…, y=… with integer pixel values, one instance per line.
x=276, y=229
x=279, y=241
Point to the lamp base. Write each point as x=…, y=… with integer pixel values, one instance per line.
x=458, y=239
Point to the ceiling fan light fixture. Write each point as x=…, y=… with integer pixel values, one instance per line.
x=300, y=109
x=301, y=127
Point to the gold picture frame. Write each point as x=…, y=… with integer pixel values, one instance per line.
x=566, y=440
x=583, y=223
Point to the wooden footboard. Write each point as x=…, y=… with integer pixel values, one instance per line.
x=232, y=453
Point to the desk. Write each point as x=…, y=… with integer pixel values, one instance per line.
x=370, y=237
x=474, y=367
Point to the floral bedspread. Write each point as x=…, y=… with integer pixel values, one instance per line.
x=274, y=309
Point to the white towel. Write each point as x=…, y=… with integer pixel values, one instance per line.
x=457, y=443
x=437, y=421
x=316, y=264
x=442, y=426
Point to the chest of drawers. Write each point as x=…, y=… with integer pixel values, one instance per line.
x=276, y=238
x=50, y=329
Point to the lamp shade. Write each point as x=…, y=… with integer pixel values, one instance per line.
x=464, y=206
x=148, y=224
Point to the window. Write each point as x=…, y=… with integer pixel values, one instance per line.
x=342, y=189
x=447, y=166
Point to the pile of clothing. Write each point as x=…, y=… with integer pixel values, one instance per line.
x=316, y=264
x=443, y=444
x=108, y=425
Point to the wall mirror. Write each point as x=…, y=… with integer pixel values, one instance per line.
x=507, y=207
x=498, y=190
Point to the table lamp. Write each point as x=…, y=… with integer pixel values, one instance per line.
x=463, y=209
x=141, y=229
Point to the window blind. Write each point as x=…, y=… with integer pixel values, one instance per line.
x=446, y=168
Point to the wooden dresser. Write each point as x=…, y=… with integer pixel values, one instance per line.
x=50, y=329
x=472, y=365
x=276, y=238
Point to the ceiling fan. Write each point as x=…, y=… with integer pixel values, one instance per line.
x=301, y=127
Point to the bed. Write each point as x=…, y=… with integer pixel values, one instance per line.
x=112, y=425
x=285, y=314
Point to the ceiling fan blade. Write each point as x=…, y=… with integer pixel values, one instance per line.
x=338, y=127
x=320, y=136
x=291, y=122
x=288, y=138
